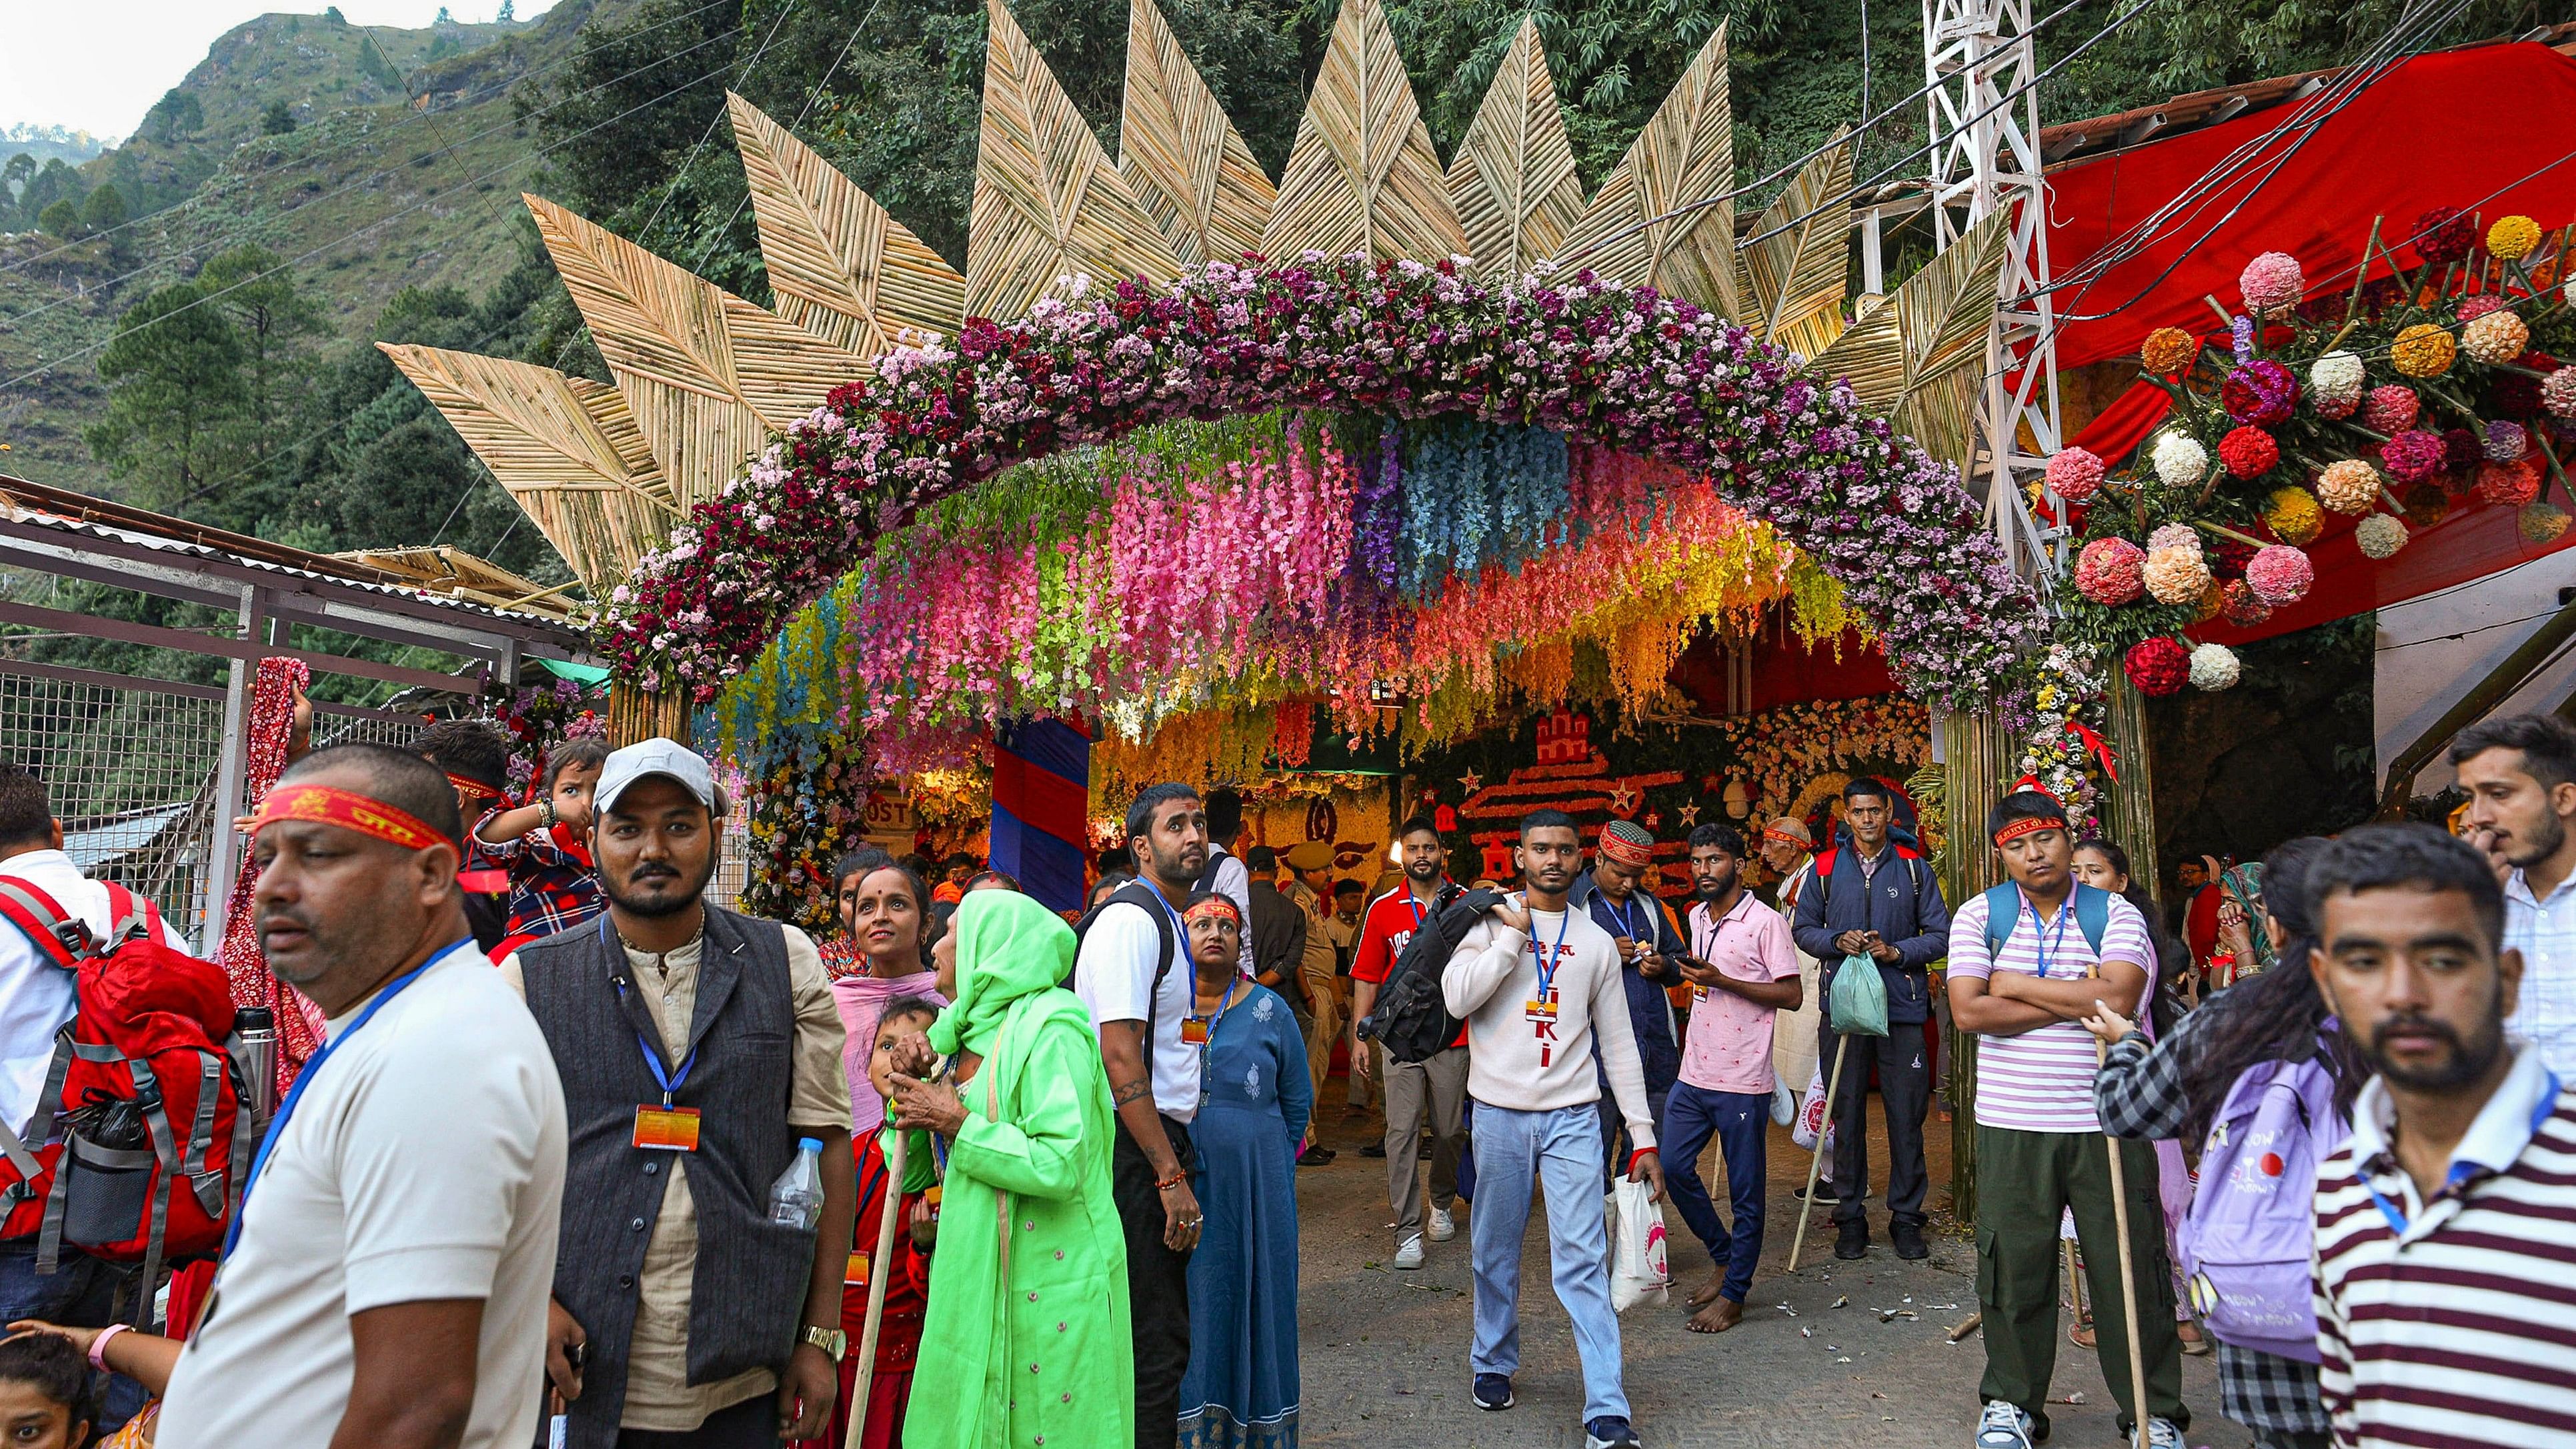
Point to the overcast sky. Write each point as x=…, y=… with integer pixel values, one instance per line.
x=98, y=65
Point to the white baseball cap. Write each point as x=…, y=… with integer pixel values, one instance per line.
x=646, y=759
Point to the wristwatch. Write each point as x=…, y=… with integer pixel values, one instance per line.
x=833, y=1341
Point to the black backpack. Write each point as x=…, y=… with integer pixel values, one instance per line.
x=1412, y=1019
x=1141, y=894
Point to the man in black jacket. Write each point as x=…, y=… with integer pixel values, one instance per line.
x=1877, y=897
x=1278, y=931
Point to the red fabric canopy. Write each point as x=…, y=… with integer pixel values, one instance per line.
x=2485, y=129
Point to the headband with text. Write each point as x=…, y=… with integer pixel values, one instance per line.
x=323, y=805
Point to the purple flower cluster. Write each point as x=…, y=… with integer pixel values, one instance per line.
x=1625, y=368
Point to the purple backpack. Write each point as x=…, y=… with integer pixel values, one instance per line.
x=2248, y=1240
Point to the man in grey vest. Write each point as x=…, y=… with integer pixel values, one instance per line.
x=696, y=1048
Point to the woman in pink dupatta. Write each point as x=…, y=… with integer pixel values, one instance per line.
x=883, y=953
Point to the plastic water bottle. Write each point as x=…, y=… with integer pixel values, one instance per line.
x=796, y=1199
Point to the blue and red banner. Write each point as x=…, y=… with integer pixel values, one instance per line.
x=1041, y=808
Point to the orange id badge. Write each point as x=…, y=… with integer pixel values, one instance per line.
x=1194, y=1030
x=857, y=1276
x=666, y=1129
x=1543, y=1009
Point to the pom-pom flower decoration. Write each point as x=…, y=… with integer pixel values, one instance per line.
x=2280, y=574
x=2558, y=393
x=2379, y=536
x=2391, y=409
x=2214, y=667
x=2111, y=572
x=2350, y=486
x=2158, y=666
x=2426, y=505
x=2473, y=308
x=2497, y=337
x=2444, y=235
x=2334, y=384
x=2293, y=516
x=2176, y=575
x=2168, y=350
x=2179, y=460
x=2541, y=522
x=2074, y=474
x=2413, y=456
x=2511, y=484
x=2241, y=605
x=2248, y=452
x=2504, y=442
x=2261, y=391
x=2174, y=535
x=2513, y=238
x=2272, y=282
x=2423, y=350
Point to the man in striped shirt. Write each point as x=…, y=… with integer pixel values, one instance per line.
x=2028, y=961
x=2446, y=1227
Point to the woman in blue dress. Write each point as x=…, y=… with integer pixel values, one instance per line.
x=1254, y=1098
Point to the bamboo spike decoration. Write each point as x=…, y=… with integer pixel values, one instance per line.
x=1920, y=356
x=1048, y=202
x=564, y=447
x=1513, y=179
x=1181, y=156
x=1792, y=282
x=1684, y=157
x=1362, y=176
x=707, y=375
x=842, y=268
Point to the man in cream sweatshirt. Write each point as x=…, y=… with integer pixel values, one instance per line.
x=1538, y=986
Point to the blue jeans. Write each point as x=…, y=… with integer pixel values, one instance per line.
x=1739, y=1122
x=1561, y=1151
x=81, y=1292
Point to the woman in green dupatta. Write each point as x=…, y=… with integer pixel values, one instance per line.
x=1026, y=1339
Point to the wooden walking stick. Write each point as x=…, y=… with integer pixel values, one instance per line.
x=1798, y=1239
x=2128, y=1264
x=877, y=1289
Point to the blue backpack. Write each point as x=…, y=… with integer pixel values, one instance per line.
x=2245, y=1245
x=2092, y=906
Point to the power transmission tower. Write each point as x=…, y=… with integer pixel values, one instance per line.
x=1986, y=159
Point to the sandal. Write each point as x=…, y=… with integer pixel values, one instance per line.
x=2081, y=1335
x=2194, y=1342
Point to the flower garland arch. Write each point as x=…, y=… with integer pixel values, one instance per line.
x=1624, y=368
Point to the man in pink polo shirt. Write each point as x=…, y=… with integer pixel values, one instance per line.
x=1742, y=968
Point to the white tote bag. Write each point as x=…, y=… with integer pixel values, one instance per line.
x=1638, y=1272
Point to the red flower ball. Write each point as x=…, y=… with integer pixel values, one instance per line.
x=2512, y=484
x=2249, y=452
x=2445, y=234
x=2158, y=666
x=2262, y=391
x=2242, y=606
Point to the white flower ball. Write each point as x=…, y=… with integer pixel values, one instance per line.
x=2213, y=666
x=2336, y=375
x=2379, y=535
x=2180, y=461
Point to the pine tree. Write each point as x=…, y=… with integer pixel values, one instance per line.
x=174, y=378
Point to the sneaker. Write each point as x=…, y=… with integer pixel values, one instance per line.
x=1317, y=1155
x=1374, y=1149
x=1909, y=1240
x=1408, y=1254
x=2003, y=1426
x=1824, y=1194
x=1443, y=1226
x=2161, y=1433
x=1494, y=1391
x=1609, y=1432
x=1853, y=1240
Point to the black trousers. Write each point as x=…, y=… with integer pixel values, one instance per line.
x=751, y=1424
x=1158, y=1288
x=1905, y=1087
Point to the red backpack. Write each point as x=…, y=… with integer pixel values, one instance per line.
x=142, y=1095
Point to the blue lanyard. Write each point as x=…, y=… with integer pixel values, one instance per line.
x=304, y=1079
x=1628, y=923
x=2039, y=931
x=1547, y=968
x=1224, y=1004
x=2460, y=1172
x=662, y=1076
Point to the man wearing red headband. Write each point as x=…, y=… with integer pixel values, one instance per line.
x=387, y=1281
x=1619, y=894
x=2029, y=960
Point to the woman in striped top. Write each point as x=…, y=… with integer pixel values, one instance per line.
x=2446, y=1228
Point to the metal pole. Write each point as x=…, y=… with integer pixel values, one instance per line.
x=223, y=849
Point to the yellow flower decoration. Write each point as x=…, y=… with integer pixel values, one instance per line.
x=2423, y=350
x=2211, y=600
x=2294, y=517
x=2168, y=350
x=2513, y=238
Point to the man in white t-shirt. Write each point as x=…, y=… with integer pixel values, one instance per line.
x=2024, y=985
x=387, y=1289
x=1133, y=972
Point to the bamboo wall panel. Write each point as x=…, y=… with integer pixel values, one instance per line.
x=1920, y=357
x=1181, y=156
x=1684, y=157
x=635, y=716
x=707, y=375
x=1513, y=179
x=1793, y=281
x=565, y=448
x=1048, y=202
x=842, y=268
x=1362, y=176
